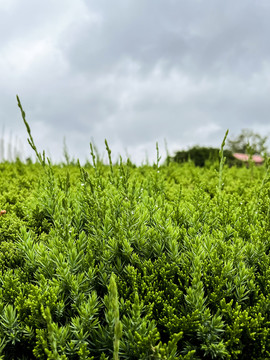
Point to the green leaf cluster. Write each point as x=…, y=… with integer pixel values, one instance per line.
x=118, y=262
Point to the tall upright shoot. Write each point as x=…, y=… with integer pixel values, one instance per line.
x=41, y=157
x=110, y=158
x=222, y=162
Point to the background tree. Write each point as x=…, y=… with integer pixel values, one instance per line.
x=201, y=155
x=248, y=142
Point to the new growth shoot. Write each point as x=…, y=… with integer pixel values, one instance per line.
x=31, y=142
x=158, y=156
x=109, y=156
x=222, y=162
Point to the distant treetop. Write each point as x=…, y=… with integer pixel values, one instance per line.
x=248, y=142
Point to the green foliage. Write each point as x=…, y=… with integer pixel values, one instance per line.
x=135, y=263
x=118, y=262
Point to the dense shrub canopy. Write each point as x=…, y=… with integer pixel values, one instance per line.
x=106, y=262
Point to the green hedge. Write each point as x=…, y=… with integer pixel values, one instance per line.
x=118, y=262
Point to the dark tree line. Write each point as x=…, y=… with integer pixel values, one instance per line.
x=201, y=155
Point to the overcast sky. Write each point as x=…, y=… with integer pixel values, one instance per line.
x=133, y=72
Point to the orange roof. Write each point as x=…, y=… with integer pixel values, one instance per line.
x=244, y=157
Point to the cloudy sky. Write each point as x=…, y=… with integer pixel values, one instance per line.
x=135, y=72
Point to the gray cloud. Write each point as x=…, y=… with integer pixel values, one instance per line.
x=200, y=36
x=134, y=72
